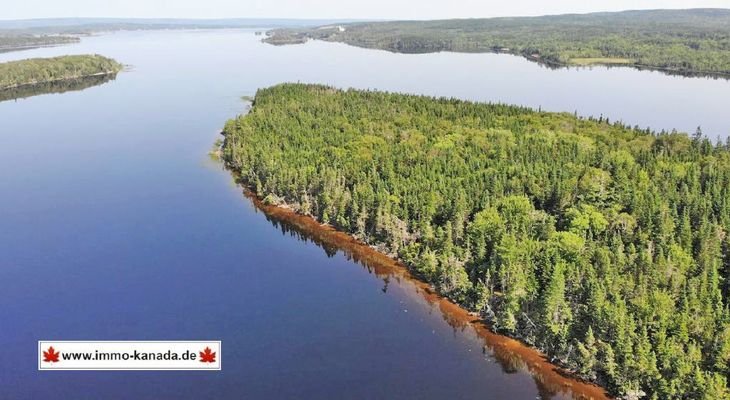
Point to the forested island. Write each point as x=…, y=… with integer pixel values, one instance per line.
x=603, y=245
x=36, y=71
x=695, y=41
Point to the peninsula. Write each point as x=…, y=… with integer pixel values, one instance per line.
x=600, y=244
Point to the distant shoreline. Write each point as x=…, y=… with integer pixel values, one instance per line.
x=690, y=42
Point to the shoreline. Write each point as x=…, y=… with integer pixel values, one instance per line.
x=9, y=49
x=541, y=61
x=560, y=65
x=504, y=348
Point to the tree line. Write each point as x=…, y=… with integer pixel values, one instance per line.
x=606, y=246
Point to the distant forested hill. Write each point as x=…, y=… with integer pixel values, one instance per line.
x=44, y=70
x=57, y=25
x=31, y=33
x=685, y=41
x=606, y=246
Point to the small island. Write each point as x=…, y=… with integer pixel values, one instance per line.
x=36, y=71
x=601, y=244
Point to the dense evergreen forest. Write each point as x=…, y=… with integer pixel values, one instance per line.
x=685, y=41
x=11, y=42
x=606, y=246
x=44, y=70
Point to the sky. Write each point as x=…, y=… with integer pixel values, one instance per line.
x=355, y=9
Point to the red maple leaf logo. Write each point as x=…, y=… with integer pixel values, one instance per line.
x=51, y=355
x=207, y=355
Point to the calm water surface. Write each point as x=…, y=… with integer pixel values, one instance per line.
x=115, y=225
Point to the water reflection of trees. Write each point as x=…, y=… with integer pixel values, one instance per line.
x=550, y=381
x=55, y=87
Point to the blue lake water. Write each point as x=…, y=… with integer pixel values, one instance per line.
x=116, y=225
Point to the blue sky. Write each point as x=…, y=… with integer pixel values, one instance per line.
x=364, y=9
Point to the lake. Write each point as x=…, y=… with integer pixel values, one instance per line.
x=116, y=225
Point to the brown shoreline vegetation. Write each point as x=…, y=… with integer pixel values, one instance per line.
x=510, y=353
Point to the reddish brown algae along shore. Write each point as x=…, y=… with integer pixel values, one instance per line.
x=510, y=353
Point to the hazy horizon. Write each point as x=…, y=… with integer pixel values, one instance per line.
x=328, y=9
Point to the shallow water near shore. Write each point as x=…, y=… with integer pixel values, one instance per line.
x=116, y=225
